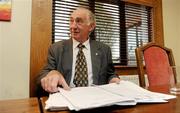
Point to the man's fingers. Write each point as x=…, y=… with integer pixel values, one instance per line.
x=115, y=80
x=64, y=84
x=49, y=84
x=43, y=83
x=52, y=80
x=53, y=85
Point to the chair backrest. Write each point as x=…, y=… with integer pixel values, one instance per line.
x=156, y=61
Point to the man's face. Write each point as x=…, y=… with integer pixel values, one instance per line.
x=80, y=26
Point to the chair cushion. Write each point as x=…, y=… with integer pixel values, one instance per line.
x=157, y=66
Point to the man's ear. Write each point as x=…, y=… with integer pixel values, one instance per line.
x=92, y=27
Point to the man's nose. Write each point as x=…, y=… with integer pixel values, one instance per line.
x=73, y=24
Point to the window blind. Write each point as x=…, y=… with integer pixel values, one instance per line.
x=122, y=26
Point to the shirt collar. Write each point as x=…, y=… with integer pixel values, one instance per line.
x=76, y=43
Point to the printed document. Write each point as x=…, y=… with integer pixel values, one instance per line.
x=124, y=93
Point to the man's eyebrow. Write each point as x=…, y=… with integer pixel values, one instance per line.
x=75, y=18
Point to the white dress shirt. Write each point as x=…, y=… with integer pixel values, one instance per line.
x=87, y=53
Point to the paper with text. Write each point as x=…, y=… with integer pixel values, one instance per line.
x=124, y=93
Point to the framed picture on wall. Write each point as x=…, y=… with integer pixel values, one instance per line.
x=5, y=10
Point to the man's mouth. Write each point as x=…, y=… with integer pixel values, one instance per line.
x=75, y=33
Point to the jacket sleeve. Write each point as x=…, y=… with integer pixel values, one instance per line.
x=52, y=61
x=110, y=68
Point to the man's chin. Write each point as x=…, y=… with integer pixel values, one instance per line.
x=75, y=37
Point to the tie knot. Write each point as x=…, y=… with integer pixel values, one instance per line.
x=81, y=46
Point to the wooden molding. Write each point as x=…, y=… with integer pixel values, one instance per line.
x=40, y=38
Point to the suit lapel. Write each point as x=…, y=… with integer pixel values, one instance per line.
x=67, y=59
x=96, y=60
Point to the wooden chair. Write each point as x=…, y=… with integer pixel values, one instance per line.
x=156, y=61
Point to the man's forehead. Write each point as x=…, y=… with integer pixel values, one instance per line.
x=79, y=13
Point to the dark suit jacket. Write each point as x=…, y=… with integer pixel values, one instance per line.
x=60, y=58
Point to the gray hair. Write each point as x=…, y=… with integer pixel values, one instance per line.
x=90, y=14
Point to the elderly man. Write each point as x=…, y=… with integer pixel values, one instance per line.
x=64, y=67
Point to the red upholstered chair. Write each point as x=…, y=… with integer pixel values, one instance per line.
x=156, y=61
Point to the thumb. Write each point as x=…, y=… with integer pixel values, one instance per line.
x=63, y=83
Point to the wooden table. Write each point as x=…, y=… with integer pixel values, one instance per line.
x=173, y=106
x=29, y=105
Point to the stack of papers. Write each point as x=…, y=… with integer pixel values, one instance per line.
x=124, y=93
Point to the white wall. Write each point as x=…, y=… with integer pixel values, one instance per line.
x=171, y=17
x=15, y=52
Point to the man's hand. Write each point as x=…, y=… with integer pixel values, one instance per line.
x=114, y=80
x=50, y=82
